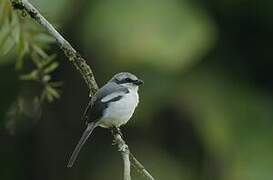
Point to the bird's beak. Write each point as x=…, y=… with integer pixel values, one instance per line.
x=138, y=82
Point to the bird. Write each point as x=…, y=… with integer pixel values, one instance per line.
x=111, y=107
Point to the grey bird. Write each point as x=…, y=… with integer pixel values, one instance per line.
x=111, y=107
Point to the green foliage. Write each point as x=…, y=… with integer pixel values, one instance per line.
x=9, y=32
x=27, y=44
x=44, y=67
x=23, y=108
x=21, y=36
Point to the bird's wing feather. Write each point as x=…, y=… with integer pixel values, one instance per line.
x=112, y=96
x=108, y=93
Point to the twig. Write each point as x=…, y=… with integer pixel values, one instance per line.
x=139, y=167
x=124, y=149
x=88, y=76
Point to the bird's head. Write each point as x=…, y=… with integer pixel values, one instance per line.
x=127, y=80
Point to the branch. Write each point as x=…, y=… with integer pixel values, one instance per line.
x=128, y=157
x=80, y=64
x=124, y=149
x=140, y=168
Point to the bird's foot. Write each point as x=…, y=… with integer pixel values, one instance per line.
x=123, y=148
x=114, y=142
x=116, y=130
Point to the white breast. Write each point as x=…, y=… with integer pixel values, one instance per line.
x=119, y=112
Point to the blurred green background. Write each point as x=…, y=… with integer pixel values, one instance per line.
x=206, y=108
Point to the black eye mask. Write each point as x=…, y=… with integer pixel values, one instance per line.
x=126, y=80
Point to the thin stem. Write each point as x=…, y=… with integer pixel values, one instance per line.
x=124, y=149
x=139, y=167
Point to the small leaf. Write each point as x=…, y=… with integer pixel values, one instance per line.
x=36, y=59
x=34, y=75
x=51, y=67
x=4, y=35
x=49, y=97
x=5, y=10
x=15, y=27
x=39, y=51
x=45, y=62
x=54, y=92
x=7, y=46
x=9, y=34
x=46, y=78
x=43, y=38
x=2, y=10
x=22, y=50
x=50, y=94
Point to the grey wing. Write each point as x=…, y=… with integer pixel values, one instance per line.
x=98, y=106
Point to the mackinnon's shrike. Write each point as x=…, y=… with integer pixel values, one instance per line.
x=112, y=106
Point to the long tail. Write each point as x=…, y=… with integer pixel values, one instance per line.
x=90, y=127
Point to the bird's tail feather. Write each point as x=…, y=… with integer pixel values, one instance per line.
x=90, y=127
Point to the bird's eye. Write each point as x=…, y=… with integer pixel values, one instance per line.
x=128, y=80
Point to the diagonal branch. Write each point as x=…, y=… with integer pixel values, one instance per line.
x=88, y=76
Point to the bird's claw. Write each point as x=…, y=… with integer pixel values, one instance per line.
x=123, y=148
x=116, y=130
x=114, y=142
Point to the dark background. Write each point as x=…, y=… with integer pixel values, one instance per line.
x=205, y=109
